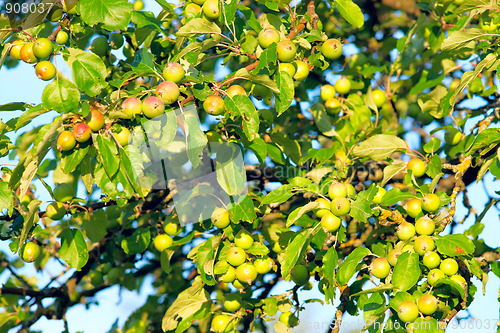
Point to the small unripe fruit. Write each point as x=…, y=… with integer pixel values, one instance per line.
x=15, y=49
x=343, y=86
x=351, y=191
x=64, y=192
x=379, y=196
x=211, y=9
x=267, y=37
x=116, y=40
x=122, y=136
x=431, y=203
x=62, y=37
x=55, y=211
x=392, y=257
x=131, y=107
x=431, y=259
x=427, y=304
x=95, y=120
x=27, y=54
x=289, y=319
x=229, y=276
x=235, y=90
x=435, y=275
x=138, y=5
x=327, y=92
x=168, y=92
x=405, y=231
x=246, y=273
x=332, y=105
x=42, y=48
x=162, y=242
x=414, y=207
x=288, y=68
x=153, y=107
x=380, y=268
x=174, y=72
x=299, y=275
x=337, y=190
x=449, y=266
x=452, y=136
x=423, y=244
x=331, y=49
x=221, y=323
x=232, y=302
x=45, y=70
x=286, y=50
x=379, y=97
x=191, y=10
x=425, y=226
x=82, y=132
x=29, y=252
x=172, y=229
x=243, y=239
x=214, y=105
x=460, y=280
x=65, y=141
x=236, y=256
x=263, y=265
x=220, y=218
x=340, y=206
x=324, y=207
x=417, y=166
x=330, y=222
x=100, y=46
x=408, y=312
x=302, y=70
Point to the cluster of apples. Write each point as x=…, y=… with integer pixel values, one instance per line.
x=239, y=268
x=331, y=212
x=38, y=52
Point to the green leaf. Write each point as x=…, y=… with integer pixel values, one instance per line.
x=432, y=146
x=196, y=138
x=455, y=245
x=297, y=213
x=165, y=257
x=73, y=248
x=30, y=114
x=187, y=303
x=284, y=98
x=380, y=146
x=72, y=159
x=30, y=219
x=295, y=250
x=381, y=287
x=395, y=195
x=268, y=56
x=231, y=175
x=458, y=40
x=430, y=103
x=351, y=12
x=206, y=259
x=6, y=197
x=406, y=272
x=138, y=242
x=114, y=14
x=109, y=154
x=246, y=109
x=392, y=170
x=89, y=71
x=399, y=298
x=258, y=249
x=198, y=26
x=95, y=225
x=61, y=95
x=434, y=166
x=322, y=119
x=360, y=208
x=261, y=79
x=427, y=325
x=87, y=171
x=347, y=268
x=319, y=155
x=330, y=262
x=290, y=147
x=243, y=211
x=454, y=285
x=484, y=139
x=278, y=195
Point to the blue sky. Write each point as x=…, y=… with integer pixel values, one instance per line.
x=21, y=84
